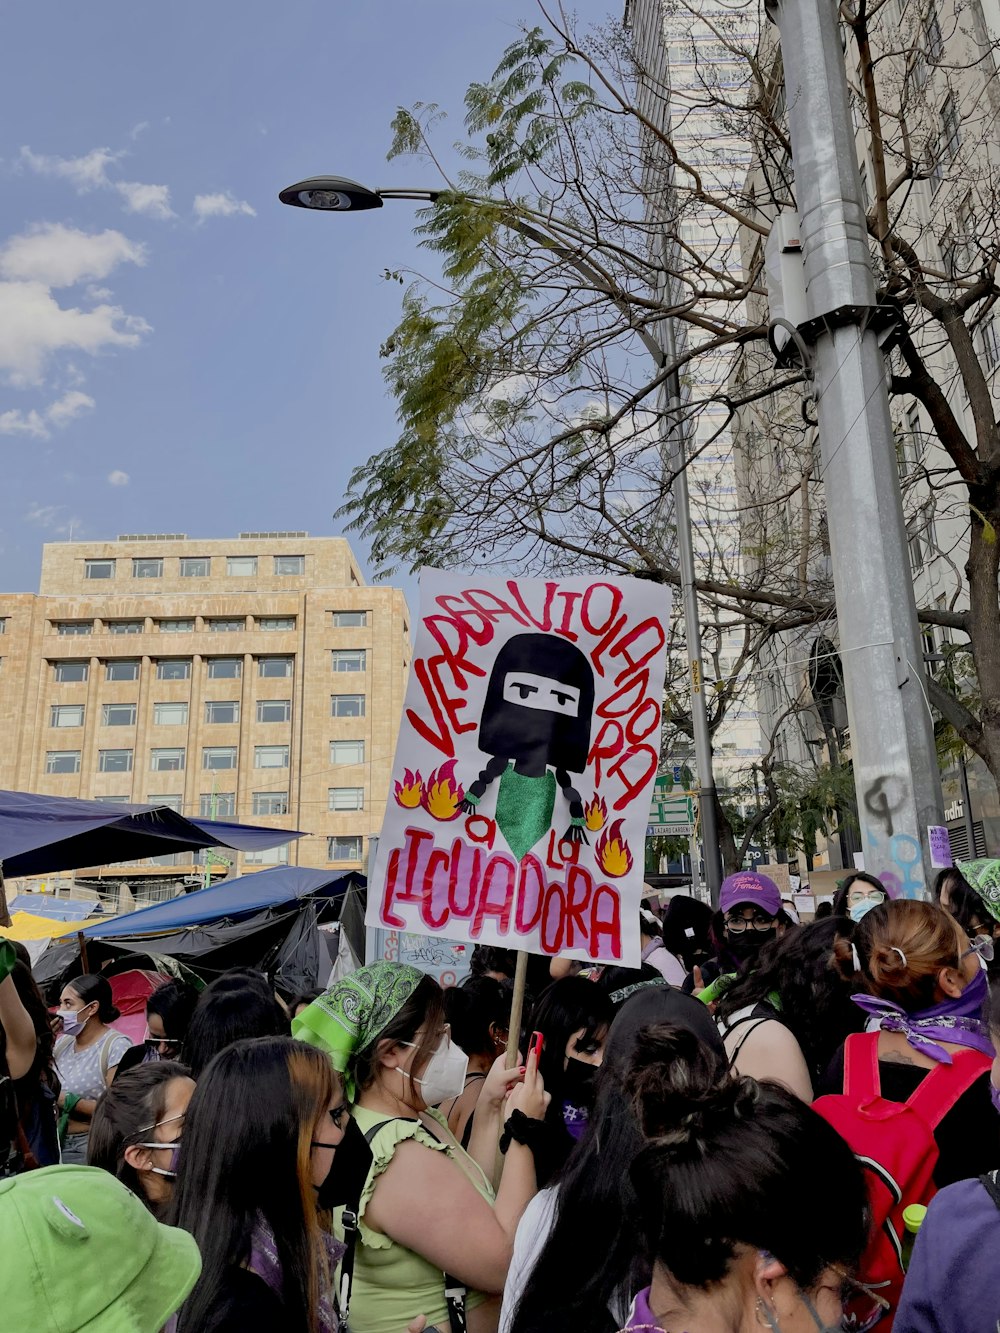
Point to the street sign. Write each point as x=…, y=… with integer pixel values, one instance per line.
x=672, y=815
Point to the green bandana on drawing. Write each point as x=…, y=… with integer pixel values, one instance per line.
x=356, y=1011
x=984, y=876
x=524, y=808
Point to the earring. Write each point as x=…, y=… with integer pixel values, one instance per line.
x=770, y=1319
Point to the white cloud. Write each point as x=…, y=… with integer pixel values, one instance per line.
x=57, y=414
x=223, y=205
x=89, y=172
x=52, y=517
x=152, y=200
x=118, y=478
x=138, y=129
x=61, y=256
x=34, y=327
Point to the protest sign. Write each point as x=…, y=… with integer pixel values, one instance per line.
x=526, y=758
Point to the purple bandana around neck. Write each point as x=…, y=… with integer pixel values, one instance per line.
x=957, y=1021
x=265, y=1263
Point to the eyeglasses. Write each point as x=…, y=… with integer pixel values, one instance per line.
x=981, y=945
x=738, y=924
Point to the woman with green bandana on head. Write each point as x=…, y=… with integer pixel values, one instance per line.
x=426, y=1207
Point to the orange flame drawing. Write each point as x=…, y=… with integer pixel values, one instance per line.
x=409, y=792
x=595, y=813
x=613, y=855
x=443, y=795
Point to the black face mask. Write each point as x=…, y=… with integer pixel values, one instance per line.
x=578, y=1083
x=346, y=1177
x=749, y=943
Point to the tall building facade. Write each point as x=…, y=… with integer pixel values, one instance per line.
x=259, y=680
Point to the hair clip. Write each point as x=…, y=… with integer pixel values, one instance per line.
x=902, y=956
x=855, y=958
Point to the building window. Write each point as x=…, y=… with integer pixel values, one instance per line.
x=241, y=566
x=167, y=760
x=225, y=668
x=3, y=624
x=933, y=41
x=117, y=800
x=348, y=659
x=125, y=626
x=170, y=715
x=344, y=849
x=347, y=752
x=73, y=628
x=350, y=619
x=217, y=805
x=146, y=567
x=62, y=761
x=935, y=165
x=346, y=798
x=123, y=670
x=67, y=672
x=226, y=625
x=274, y=668
x=347, y=705
x=66, y=715
x=114, y=761
x=174, y=803
x=218, y=756
x=118, y=715
x=173, y=668
x=270, y=756
x=991, y=343
x=270, y=856
x=219, y=711
x=289, y=564
x=175, y=626
x=195, y=566
x=276, y=622
x=98, y=569
x=951, y=127
x=274, y=710
x=270, y=802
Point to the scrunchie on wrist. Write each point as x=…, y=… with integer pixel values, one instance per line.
x=520, y=1128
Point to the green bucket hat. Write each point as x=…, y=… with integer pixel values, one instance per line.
x=984, y=876
x=353, y=1013
x=79, y=1253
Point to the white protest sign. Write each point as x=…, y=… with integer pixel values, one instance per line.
x=526, y=758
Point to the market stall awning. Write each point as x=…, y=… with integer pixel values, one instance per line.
x=232, y=899
x=43, y=834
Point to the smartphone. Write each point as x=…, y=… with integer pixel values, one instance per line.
x=537, y=1042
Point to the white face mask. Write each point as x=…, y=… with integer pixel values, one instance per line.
x=73, y=1020
x=445, y=1074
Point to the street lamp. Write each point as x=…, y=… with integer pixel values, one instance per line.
x=337, y=194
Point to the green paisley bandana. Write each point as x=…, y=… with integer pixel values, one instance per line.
x=984, y=876
x=353, y=1013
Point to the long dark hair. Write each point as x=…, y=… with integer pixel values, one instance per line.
x=562, y=1009
x=731, y=1162
x=245, y=1155
x=478, y=1012
x=174, y=1003
x=92, y=986
x=809, y=970
x=134, y=1102
x=964, y=903
x=593, y=1234
x=43, y=1068
x=230, y=1009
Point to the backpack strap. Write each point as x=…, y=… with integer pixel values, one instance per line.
x=989, y=1184
x=752, y=1024
x=862, y=1081
x=945, y=1084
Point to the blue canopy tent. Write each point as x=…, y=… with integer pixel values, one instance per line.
x=271, y=920
x=40, y=835
x=229, y=901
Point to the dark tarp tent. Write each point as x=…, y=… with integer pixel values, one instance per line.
x=270, y=920
x=40, y=835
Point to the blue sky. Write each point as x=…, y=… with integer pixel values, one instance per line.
x=179, y=352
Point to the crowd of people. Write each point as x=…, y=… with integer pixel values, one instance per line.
x=766, y=1124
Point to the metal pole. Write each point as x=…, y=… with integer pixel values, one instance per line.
x=892, y=743
x=970, y=826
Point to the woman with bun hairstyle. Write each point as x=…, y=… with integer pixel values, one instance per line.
x=478, y=1013
x=753, y=1209
x=927, y=991
x=86, y=1057
x=786, y=1019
